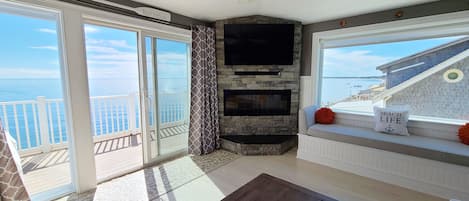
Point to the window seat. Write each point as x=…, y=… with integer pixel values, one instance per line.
x=419, y=146
x=431, y=160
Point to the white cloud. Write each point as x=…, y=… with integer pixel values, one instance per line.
x=100, y=49
x=114, y=56
x=120, y=43
x=171, y=65
x=172, y=58
x=110, y=43
x=46, y=30
x=125, y=65
x=352, y=63
x=46, y=47
x=54, y=62
x=117, y=59
x=30, y=73
x=118, y=70
x=90, y=29
x=106, y=61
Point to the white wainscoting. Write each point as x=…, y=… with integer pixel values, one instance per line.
x=306, y=91
x=423, y=175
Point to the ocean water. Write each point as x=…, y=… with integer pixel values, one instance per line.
x=337, y=89
x=172, y=98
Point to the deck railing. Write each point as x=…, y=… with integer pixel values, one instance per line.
x=39, y=125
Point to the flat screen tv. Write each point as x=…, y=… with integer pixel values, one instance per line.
x=259, y=44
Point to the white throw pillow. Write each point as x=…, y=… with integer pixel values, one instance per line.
x=392, y=120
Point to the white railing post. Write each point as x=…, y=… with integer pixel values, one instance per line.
x=43, y=123
x=131, y=116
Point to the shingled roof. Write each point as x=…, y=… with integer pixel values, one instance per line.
x=395, y=64
x=443, y=65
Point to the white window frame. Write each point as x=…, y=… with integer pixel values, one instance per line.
x=411, y=29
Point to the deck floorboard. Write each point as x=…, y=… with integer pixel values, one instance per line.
x=49, y=170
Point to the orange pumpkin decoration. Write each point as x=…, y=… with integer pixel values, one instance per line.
x=464, y=134
x=324, y=116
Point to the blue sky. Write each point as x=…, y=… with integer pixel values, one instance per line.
x=112, y=54
x=30, y=51
x=363, y=60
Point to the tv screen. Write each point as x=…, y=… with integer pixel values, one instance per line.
x=259, y=44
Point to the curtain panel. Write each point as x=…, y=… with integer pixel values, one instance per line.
x=11, y=183
x=204, y=125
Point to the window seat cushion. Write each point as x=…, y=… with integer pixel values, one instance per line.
x=424, y=147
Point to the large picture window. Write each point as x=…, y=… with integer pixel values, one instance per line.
x=429, y=75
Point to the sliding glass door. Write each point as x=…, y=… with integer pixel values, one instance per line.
x=112, y=58
x=166, y=96
x=173, y=94
x=137, y=82
x=33, y=99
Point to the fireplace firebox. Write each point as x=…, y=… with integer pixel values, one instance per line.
x=257, y=102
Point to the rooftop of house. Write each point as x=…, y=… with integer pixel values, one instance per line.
x=419, y=77
x=395, y=65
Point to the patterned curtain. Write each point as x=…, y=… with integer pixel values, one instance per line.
x=204, y=127
x=11, y=184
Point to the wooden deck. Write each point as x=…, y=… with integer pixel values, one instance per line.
x=49, y=170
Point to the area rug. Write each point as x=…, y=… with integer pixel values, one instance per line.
x=268, y=188
x=151, y=183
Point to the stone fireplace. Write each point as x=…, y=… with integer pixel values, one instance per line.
x=258, y=100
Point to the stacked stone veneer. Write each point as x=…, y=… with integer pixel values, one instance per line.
x=435, y=97
x=259, y=149
x=289, y=78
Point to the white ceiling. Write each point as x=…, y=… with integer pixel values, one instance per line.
x=306, y=11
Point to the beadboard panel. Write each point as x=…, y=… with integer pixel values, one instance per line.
x=423, y=175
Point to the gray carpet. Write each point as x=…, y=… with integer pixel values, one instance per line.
x=151, y=183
